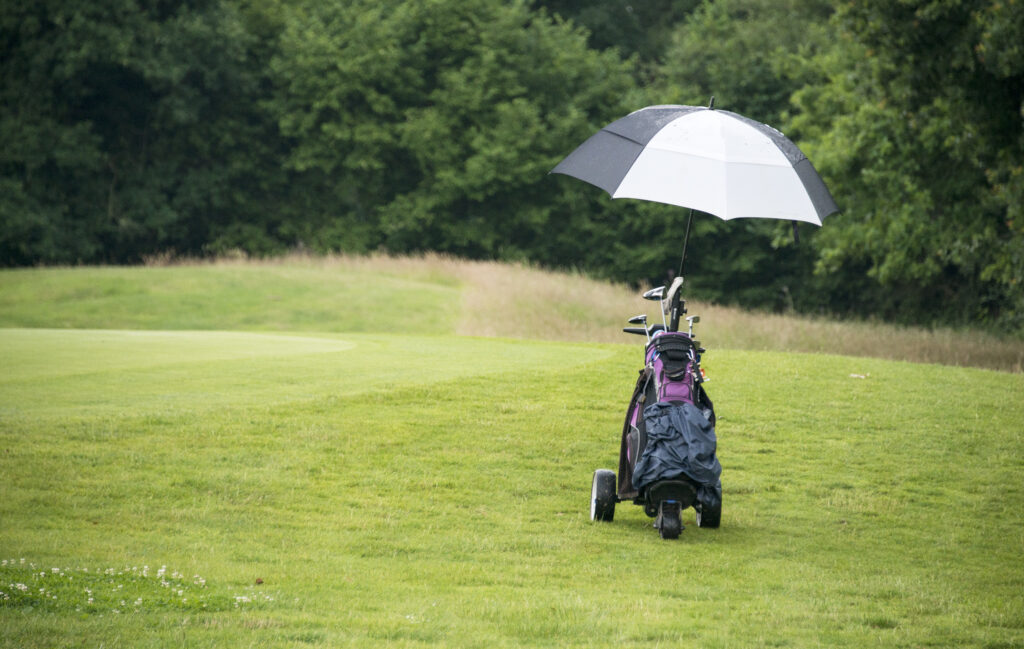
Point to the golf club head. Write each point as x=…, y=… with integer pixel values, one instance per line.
x=655, y=293
x=639, y=319
x=692, y=320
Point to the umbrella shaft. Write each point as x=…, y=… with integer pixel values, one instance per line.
x=686, y=240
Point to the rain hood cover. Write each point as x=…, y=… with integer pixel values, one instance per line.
x=680, y=441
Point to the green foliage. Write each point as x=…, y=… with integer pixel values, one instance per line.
x=749, y=54
x=643, y=29
x=918, y=129
x=134, y=128
x=438, y=119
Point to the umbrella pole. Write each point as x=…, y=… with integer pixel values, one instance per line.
x=686, y=240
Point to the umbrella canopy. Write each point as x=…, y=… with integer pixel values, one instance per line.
x=709, y=160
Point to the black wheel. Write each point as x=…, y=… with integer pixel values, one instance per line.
x=709, y=517
x=669, y=522
x=602, y=496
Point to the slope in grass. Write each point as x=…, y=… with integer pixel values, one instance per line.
x=295, y=296
x=436, y=295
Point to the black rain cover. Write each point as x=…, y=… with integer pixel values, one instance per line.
x=680, y=440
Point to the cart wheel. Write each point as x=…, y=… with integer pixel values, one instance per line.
x=709, y=517
x=669, y=522
x=602, y=496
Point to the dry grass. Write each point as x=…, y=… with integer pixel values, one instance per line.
x=520, y=301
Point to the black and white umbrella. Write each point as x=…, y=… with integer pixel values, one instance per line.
x=709, y=160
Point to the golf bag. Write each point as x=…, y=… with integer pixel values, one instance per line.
x=667, y=452
x=668, y=437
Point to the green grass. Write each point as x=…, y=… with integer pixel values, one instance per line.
x=264, y=297
x=391, y=489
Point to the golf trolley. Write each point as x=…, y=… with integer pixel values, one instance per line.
x=667, y=456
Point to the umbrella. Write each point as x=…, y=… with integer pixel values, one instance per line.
x=710, y=160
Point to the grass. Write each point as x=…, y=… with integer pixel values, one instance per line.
x=438, y=295
x=329, y=488
x=258, y=297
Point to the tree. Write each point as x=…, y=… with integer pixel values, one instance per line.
x=918, y=129
x=438, y=121
x=643, y=29
x=132, y=128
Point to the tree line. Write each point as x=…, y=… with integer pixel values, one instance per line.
x=134, y=128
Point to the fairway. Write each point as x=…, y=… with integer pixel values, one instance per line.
x=226, y=488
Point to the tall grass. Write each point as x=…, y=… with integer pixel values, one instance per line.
x=520, y=301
